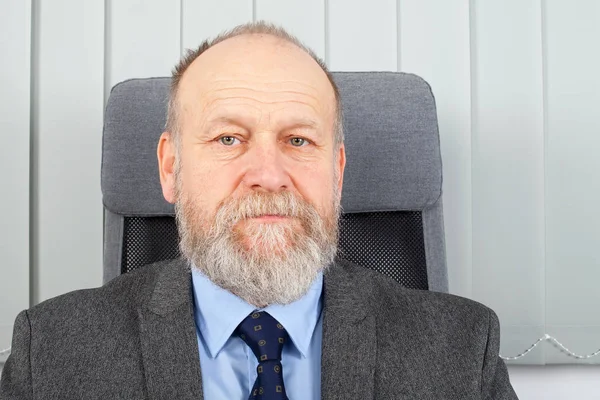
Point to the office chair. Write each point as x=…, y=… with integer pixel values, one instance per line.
x=392, y=217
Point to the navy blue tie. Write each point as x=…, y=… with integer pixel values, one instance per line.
x=265, y=337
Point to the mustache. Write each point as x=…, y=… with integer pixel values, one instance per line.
x=257, y=204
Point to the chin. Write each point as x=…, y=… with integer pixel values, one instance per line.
x=263, y=250
x=272, y=235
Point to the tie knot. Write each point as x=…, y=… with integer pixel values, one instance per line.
x=264, y=335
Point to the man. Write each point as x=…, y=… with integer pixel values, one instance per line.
x=259, y=307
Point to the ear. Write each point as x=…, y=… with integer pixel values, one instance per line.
x=341, y=161
x=166, y=166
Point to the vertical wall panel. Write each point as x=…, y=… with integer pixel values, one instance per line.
x=556, y=382
x=439, y=51
x=362, y=36
x=67, y=132
x=303, y=18
x=508, y=166
x=15, y=47
x=203, y=19
x=520, y=196
x=143, y=39
x=573, y=174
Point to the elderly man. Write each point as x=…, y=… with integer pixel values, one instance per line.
x=259, y=307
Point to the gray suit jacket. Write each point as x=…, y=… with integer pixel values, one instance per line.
x=135, y=338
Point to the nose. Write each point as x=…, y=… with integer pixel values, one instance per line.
x=266, y=170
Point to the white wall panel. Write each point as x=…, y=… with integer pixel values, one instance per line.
x=508, y=165
x=204, y=19
x=517, y=90
x=362, y=35
x=143, y=39
x=573, y=173
x=15, y=47
x=68, y=105
x=439, y=51
x=303, y=18
x=557, y=382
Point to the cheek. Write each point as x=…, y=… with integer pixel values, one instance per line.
x=205, y=186
x=315, y=183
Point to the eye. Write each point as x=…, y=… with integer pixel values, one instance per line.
x=298, y=142
x=227, y=140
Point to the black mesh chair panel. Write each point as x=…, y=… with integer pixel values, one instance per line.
x=147, y=240
x=388, y=242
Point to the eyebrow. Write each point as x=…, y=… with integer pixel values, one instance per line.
x=301, y=123
x=224, y=120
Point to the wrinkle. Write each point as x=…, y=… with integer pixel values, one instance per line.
x=213, y=102
x=216, y=90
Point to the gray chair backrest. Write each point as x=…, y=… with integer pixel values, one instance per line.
x=392, y=197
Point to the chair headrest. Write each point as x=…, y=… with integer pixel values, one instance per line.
x=391, y=140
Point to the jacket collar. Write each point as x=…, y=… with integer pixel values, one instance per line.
x=349, y=334
x=170, y=348
x=168, y=336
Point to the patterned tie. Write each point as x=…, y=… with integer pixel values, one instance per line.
x=266, y=337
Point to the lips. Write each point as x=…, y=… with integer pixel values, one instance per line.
x=270, y=218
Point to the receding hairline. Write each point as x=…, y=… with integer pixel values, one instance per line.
x=258, y=29
x=270, y=41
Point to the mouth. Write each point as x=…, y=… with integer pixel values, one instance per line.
x=270, y=218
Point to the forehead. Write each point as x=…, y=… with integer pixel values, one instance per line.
x=257, y=70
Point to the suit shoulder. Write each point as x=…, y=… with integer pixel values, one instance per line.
x=125, y=291
x=387, y=294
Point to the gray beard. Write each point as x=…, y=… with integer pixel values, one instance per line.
x=263, y=263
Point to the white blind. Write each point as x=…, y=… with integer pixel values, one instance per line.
x=536, y=228
x=517, y=89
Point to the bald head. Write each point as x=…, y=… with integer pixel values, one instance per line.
x=254, y=51
x=272, y=80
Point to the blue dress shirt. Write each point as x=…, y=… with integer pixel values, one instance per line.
x=227, y=363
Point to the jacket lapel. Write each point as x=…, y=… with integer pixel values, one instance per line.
x=168, y=337
x=349, y=337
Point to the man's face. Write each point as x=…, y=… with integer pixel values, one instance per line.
x=256, y=118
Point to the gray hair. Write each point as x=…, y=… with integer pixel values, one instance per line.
x=259, y=27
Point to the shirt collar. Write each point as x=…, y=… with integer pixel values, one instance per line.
x=218, y=312
x=300, y=317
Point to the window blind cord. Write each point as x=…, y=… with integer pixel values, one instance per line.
x=556, y=343
x=544, y=338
